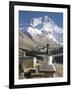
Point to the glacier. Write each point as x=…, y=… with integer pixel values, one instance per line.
x=44, y=30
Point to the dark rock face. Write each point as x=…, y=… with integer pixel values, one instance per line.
x=58, y=59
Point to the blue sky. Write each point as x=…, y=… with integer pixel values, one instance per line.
x=26, y=16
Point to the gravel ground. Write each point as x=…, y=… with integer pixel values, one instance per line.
x=59, y=70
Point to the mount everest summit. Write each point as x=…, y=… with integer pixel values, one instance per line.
x=43, y=30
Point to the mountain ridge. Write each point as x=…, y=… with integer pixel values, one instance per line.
x=44, y=30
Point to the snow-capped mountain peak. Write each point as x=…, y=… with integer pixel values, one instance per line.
x=45, y=30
